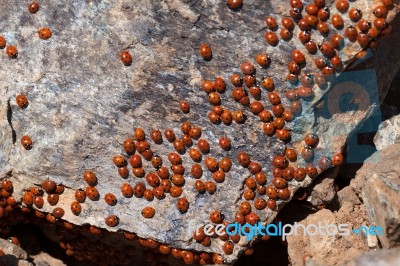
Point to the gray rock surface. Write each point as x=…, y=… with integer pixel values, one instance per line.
x=388, y=133
x=14, y=255
x=84, y=102
x=381, y=193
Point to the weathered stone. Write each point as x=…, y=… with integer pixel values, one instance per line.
x=323, y=189
x=388, y=133
x=347, y=195
x=377, y=257
x=326, y=249
x=381, y=192
x=14, y=255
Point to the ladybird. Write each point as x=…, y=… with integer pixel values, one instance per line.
x=52, y=199
x=187, y=140
x=323, y=14
x=163, y=172
x=76, y=208
x=250, y=80
x=320, y=81
x=387, y=3
x=305, y=36
x=210, y=187
x=218, y=259
x=12, y=51
x=298, y=57
x=342, y=5
x=227, y=247
x=208, y=86
x=373, y=33
x=238, y=93
x=337, y=159
x=271, y=204
x=296, y=107
x=252, y=218
x=364, y=25
x=279, y=182
x=38, y=201
x=271, y=23
x=110, y=199
x=205, y=51
x=225, y=164
x=291, y=95
x=225, y=143
x=323, y=28
x=337, y=41
x=285, y=34
x=148, y=194
x=58, y=212
x=127, y=190
x=337, y=21
x=138, y=172
x=311, y=170
x=280, y=161
x=195, y=132
x=33, y=7
x=214, y=98
x=324, y=163
x=119, y=161
x=292, y=79
x=268, y=129
x=278, y=110
x=336, y=63
x=126, y=58
x=27, y=198
x=295, y=13
x=250, y=183
x=178, y=169
x=48, y=185
x=351, y=33
x=196, y=171
x=45, y=33
x=260, y=204
x=254, y=168
x=288, y=173
x=296, y=4
x=135, y=161
x=271, y=192
x=243, y=159
x=220, y=84
x=218, y=176
x=307, y=154
x=283, y=194
x=184, y=106
x=179, y=146
x=142, y=146
x=112, y=220
x=263, y=60
x=312, y=9
x=92, y=193
x=216, y=217
x=203, y=145
x=327, y=49
x=175, y=191
x=287, y=23
x=271, y=38
x=214, y=118
x=26, y=142
x=265, y=115
x=165, y=185
x=355, y=14
x=362, y=39
x=247, y=68
x=279, y=123
x=291, y=154
x=311, y=47
x=294, y=68
x=22, y=101
x=379, y=23
x=234, y=4
x=311, y=140
x=256, y=107
x=199, y=186
x=238, y=116
x=183, y=205
x=211, y=163
x=303, y=25
x=312, y=21
x=261, y=180
x=3, y=42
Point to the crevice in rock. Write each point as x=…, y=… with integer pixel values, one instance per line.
x=9, y=119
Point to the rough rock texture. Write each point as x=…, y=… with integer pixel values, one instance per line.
x=14, y=255
x=388, y=133
x=384, y=257
x=322, y=191
x=325, y=249
x=84, y=102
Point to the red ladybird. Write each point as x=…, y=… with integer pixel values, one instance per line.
x=205, y=51
x=126, y=58
x=271, y=38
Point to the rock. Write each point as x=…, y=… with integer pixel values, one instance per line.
x=348, y=195
x=381, y=192
x=377, y=257
x=14, y=255
x=83, y=102
x=323, y=190
x=44, y=259
x=326, y=249
x=388, y=133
